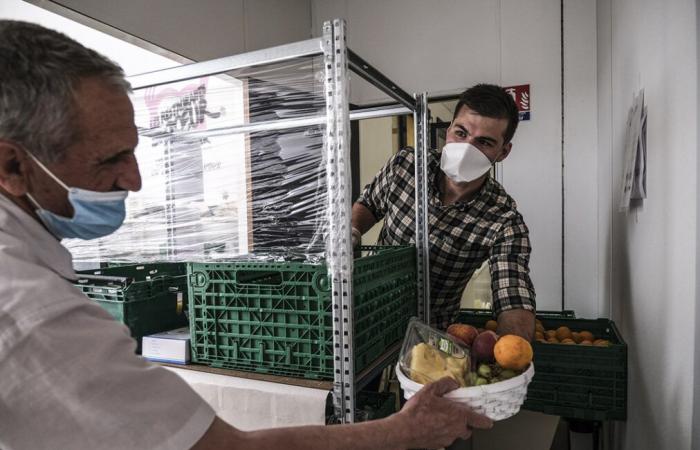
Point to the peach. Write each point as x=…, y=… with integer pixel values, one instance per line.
x=463, y=332
x=586, y=336
x=563, y=333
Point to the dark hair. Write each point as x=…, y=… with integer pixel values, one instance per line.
x=493, y=101
x=40, y=70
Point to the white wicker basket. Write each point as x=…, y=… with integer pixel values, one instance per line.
x=497, y=401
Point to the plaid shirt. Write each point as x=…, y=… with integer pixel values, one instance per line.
x=462, y=236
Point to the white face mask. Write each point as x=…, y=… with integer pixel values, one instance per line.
x=463, y=162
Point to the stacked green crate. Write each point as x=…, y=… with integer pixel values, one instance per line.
x=147, y=298
x=574, y=381
x=275, y=317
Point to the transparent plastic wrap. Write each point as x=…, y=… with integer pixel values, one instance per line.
x=428, y=355
x=232, y=166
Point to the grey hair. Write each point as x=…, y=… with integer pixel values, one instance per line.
x=40, y=70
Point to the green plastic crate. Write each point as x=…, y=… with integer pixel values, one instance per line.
x=575, y=381
x=275, y=317
x=147, y=298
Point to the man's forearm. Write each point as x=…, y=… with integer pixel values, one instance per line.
x=428, y=419
x=386, y=433
x=362, y=218
x=517, y=321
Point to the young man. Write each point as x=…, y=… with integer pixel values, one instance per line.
x=70, y=378
x=471, y=217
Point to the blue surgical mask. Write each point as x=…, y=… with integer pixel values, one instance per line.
x=95, y=214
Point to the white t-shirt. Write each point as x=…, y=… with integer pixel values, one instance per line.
x=69, y=378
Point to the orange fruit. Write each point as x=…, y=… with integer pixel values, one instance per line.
x=491, y=325
x=512, y=352
x=539, y=328
x=587, y=336
x=539, y=335
x=551, y=334
x=576, y=336
x=568, y=341
x=552, y=340
x=586, y=343
x=601, y=342
x=563, y=333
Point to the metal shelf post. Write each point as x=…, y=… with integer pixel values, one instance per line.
x=339, y=253
x=420, y=118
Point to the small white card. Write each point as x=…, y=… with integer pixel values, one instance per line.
x=169, y=346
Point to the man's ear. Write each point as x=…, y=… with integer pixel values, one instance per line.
x=14, y=169
x=505, y=152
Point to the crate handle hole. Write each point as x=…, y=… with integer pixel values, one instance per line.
x=258, y=277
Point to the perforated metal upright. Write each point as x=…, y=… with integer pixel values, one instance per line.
x=339, y=254
x=421, y=118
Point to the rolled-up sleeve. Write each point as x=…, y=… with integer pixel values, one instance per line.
x=375, y=195
x=509, y=261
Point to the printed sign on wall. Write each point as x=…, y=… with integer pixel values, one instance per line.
x=521, y=95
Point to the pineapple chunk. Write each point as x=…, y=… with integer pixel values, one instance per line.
x=429, y=364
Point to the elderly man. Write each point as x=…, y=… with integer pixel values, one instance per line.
x=70, y=379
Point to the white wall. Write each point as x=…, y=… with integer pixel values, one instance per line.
x=376, y=147
x=444, y=46
x=653, y=248
x=204, y=29
x=582, y=271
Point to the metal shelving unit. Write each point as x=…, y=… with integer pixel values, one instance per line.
x=338, y=60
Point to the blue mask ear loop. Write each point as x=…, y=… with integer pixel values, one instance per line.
x=55, y=178
x=45, y=169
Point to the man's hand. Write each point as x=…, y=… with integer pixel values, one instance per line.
x=356, y=237
x=517, y=321
x=432, y=421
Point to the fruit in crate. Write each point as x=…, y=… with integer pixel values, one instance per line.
x=482, y=349
x=430, y=364
x=513, y=352
x=563, y=333
x=586, y=336
x=465, y=333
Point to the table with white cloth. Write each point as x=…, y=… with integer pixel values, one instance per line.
x=250, y=403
